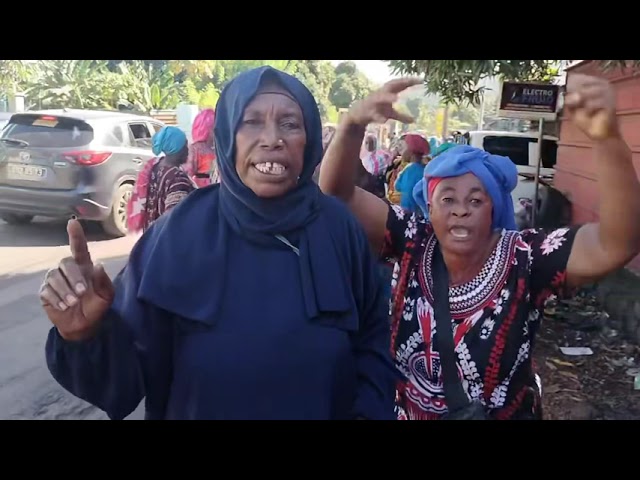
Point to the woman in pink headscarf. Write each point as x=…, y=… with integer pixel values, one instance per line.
x=201, y=165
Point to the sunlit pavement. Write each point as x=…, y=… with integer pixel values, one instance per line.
x=27, y=390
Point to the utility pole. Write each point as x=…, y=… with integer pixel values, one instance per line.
x=445, y=123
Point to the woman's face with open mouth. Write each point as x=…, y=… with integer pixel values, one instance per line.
x=270, y=142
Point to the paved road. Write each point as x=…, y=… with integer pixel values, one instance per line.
x=27, y=390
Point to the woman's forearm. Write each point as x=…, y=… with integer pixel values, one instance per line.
x=619, y=188
x=339, y=168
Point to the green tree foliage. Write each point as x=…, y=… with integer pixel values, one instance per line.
x=318, y=76
x=92, y=84
x=12, y=74
x=71, y=84
x=145, y=85
x=350, y=85
x=459, y=81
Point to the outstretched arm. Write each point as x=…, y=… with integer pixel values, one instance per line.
x=603, y=247
x=338, y=171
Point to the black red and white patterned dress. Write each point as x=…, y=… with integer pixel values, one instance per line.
x=168, y=186
x=496, y=316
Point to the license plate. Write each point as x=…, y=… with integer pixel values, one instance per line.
x=25, y=172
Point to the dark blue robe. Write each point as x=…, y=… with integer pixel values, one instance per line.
x=258, y=356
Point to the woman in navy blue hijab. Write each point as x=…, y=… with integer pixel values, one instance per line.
x=256, y=298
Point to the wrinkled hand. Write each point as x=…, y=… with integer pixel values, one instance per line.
x=378, y=106
x=591, y=104
x=77, y=294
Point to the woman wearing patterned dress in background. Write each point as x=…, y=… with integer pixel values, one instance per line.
x=162, y=183
x=499, y=278
x=201, y=164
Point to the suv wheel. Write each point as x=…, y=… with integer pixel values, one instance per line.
x=116, y=224
x=15, y=219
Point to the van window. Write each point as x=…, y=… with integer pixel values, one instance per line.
x=549, y=153
x=517, y=149
x=47, y=131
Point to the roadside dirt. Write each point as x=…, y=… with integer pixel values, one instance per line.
x=599, y=386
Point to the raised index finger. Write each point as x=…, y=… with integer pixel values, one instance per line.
x=399, y=84
x=78, y=243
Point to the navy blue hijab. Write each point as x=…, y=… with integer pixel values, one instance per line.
x=248, y=214
x=193, y=243
x=293, y=215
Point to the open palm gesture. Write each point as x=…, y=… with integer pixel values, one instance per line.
x=378, y=106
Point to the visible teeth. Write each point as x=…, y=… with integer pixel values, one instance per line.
x=460, y=232
x=271, y=168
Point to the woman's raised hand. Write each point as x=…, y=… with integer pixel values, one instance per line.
x=378, y=106
x=77, y=294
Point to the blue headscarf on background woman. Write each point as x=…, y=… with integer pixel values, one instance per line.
x=235, y=206
x=498, y=175
x=440, y=149
x=170, y=140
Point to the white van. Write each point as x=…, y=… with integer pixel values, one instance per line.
x=522, y=149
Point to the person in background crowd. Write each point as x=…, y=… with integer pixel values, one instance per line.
x=201, y=165
x=162, y=183
x=498, y=278
x=443, y=148
x=398, y=164
x=257, y=299
x=327, y=135
x=417, y=148
x=371, y=169
x=376, y=160
x=433, y=145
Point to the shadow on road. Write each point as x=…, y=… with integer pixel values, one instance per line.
x=45, y=233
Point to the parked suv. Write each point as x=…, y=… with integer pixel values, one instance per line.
x=56, y=163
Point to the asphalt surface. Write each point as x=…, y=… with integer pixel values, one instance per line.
x=27, y=390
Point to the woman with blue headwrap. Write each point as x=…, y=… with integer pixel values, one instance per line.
x=162, y=183
x=497, y=278
x=256, y=298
